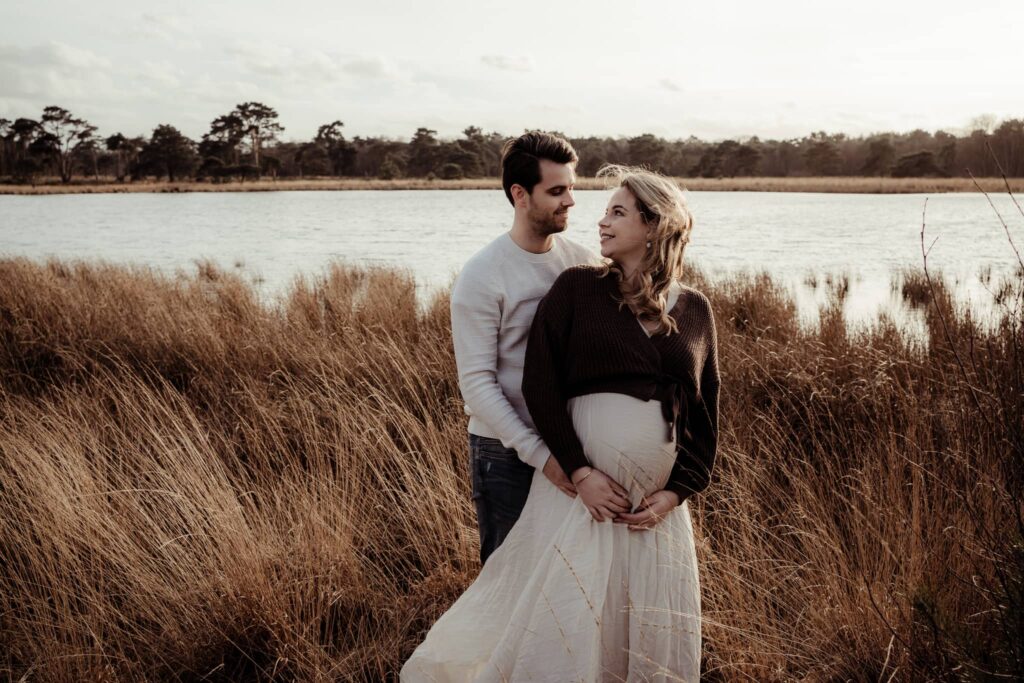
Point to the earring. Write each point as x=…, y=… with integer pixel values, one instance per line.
x=648, y=244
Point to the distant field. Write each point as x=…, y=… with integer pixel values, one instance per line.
x=827, y=184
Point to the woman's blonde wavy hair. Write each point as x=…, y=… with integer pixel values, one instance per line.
x=663, y=207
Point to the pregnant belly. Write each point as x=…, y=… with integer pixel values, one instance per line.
x=625, y=438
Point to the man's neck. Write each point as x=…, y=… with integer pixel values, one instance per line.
x=528, y=240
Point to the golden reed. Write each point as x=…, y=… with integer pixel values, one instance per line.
x=197, y=482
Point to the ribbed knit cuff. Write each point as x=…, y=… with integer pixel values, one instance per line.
x=572, y=461
x=536, y=458
x=680, y=489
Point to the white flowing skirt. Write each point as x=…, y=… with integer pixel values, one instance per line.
x=565, y=598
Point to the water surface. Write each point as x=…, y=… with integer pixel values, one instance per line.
x=798, y=238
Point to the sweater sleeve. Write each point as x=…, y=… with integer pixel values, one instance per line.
x=476, y=318
x=544, y=373
x=697, y=440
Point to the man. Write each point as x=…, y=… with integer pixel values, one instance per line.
x=493, y=303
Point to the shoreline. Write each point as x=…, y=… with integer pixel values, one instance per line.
x=844, y=185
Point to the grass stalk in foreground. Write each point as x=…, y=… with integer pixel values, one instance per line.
x=197, y=484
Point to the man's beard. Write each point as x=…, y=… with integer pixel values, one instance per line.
x=545, y=224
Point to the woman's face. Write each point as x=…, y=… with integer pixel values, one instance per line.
x=623, y=232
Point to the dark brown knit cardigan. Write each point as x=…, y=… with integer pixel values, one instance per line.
x=583, y=342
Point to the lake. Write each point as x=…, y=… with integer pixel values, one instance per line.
x=273, y=236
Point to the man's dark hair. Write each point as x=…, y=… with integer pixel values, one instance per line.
x=520, y=159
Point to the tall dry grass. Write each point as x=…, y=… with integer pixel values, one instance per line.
x=197, y=484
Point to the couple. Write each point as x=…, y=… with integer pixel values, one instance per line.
x=592, y=390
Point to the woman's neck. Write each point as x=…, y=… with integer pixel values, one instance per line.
x=628, y=266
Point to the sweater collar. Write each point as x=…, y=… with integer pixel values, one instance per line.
x=549, y=256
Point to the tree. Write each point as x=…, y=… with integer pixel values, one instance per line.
x=336, y=148
x=781, y=157
x=311, y=158
x=880, y=156
x=372, y=152
x=259, y=123
x=1008, y=146
x=6, y=146
x=63, y=135
x=917, y=165
x=947, y=151
x=486, y=149
x=422, y=152
x=709, y=165
x=390, y=168
x=986, y=123
x=727, y=159
x=22, y=135
x=744, y=161
x=272, y=165
x=126, y=154
x=222, y=141
x=89, y=153
x=459, y=154
x=647, y=150
x=683, y=155
x=125, y=151
x=594, y=152
x=115, y=144
x=821, y=154
x=451, y=171
x=169, y=153
x=27, y=169
x=973, y=154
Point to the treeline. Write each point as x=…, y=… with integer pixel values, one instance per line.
x=244, y=143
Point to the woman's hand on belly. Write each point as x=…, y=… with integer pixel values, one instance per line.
x=652, y=509
x=604, y=497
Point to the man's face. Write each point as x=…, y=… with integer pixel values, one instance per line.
x=549, y=203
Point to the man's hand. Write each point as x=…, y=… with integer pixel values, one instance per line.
x=556, y=475
x=652, y=509
x=602, y=495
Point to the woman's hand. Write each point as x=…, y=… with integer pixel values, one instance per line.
x=652, y=509
x=602, y=495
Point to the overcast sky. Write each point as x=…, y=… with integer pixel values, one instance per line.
x=713, y=69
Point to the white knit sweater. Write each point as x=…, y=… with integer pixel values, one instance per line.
x=493, y=302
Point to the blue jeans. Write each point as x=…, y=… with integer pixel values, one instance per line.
x=501, y=483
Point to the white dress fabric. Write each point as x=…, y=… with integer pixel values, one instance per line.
x=566, y=598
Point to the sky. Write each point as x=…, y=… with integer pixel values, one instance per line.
x=715, y=69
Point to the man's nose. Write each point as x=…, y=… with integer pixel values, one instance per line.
x=569, y=200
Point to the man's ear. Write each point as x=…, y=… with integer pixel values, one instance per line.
x=519, y=194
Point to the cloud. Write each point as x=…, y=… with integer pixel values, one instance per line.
x=170, y=29
x=54, y=71
x=370, y=67
x=508, y=63
x=52, y=54
x=266, y=60
x=163, y=75
x=669, y=84
x=307, y=67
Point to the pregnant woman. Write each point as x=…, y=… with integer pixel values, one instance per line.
x=621, y=378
